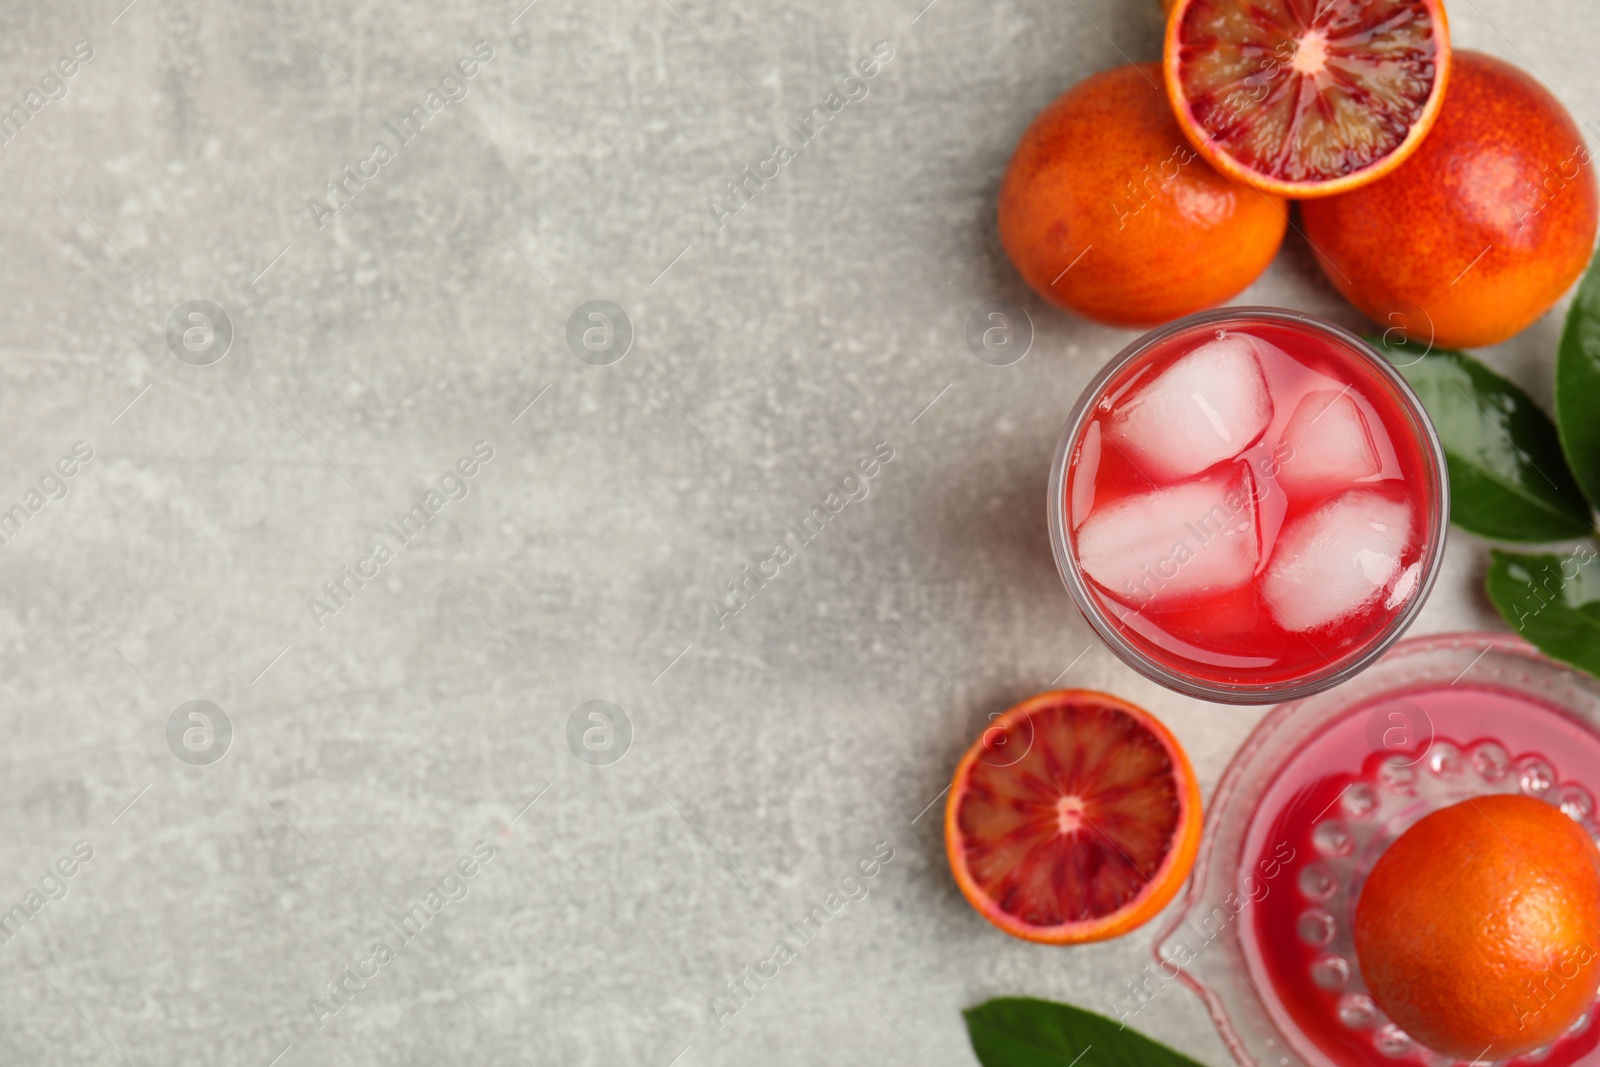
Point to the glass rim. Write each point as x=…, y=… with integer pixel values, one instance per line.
x=1255, y=693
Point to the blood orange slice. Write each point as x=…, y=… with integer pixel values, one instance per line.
x=1075, y=817
x=1306, y=98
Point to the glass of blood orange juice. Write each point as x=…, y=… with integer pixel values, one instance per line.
x=1249, y=505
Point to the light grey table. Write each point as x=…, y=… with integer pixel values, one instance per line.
x=382, y=739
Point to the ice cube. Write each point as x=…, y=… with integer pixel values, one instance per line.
x=1207, y=407
x=1084, y=473
x=1336, y=560
x=1158, y=549
x=1327, y=446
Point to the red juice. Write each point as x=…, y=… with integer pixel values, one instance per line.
x=1251, y=503
x=1338, y=802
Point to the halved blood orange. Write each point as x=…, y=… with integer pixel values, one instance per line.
x=1306, y=98
x=1075, y=817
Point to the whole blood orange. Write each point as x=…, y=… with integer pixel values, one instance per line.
x=1075, y=817
x=1107, y=210
x=1476, y=931
x=1478, y=233
x=1306, y=99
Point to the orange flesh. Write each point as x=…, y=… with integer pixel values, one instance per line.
x=1307, y=90
x=1069, y=814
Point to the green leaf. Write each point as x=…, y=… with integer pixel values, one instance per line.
x=1508, y=478
x=1022, y=1032
x=1552, y=600
x=1578, y=384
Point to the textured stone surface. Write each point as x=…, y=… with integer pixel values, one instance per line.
x=769, y=356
